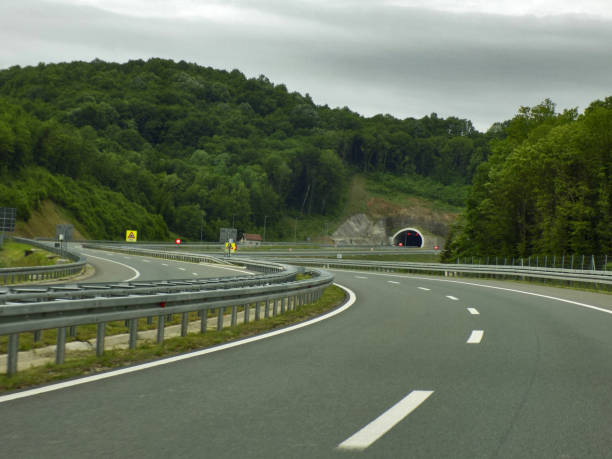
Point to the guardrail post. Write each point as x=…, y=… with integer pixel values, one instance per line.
x=37, y=335
x=161, y=319
x=133, y=333
x=267, y=309
x=184, y=323
x=247, y=312
x=204, y=321
x=149, y=320
x=60, y=349
x=100, y=334
x=219, y=319
x=13, y=350
x=283, y=300
x=72, y=331
x=257, y=310
x=234, y=315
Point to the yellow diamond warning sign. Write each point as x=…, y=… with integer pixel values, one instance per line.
x=131, y=235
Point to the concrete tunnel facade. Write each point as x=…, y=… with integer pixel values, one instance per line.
x=408, y=237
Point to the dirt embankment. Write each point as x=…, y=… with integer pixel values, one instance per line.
x=42, y=222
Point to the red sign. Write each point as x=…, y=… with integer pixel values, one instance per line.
x=178, y=242
x=436, y=247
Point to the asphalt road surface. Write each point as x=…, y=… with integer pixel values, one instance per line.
x=416, y=367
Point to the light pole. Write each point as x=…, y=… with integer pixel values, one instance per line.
x=265, y=218
x=202, y=228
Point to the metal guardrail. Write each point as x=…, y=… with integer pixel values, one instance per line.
x=41, y=273
x=32, y=309
x=597, y=279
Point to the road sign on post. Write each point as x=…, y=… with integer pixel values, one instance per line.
x=7, y=221
x=228, y=234
x=178, y=242
x=131, y=236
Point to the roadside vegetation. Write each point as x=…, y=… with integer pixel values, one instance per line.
x=14, y=254
x=84, y=363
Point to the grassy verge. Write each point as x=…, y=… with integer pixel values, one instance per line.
x=408, y=257
x=13, y=255
x=80, y=364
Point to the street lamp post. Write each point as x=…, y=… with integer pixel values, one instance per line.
x=264, y=236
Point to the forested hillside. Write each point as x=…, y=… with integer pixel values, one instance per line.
x=546, y=188
x=160, y=146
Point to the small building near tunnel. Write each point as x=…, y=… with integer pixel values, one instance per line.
x=408, y=237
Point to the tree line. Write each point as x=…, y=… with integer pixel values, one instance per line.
x=545, y=189
x=174, y=146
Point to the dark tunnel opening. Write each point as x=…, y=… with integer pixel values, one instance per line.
x=408, y=238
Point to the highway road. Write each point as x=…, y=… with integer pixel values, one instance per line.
x=417, y=367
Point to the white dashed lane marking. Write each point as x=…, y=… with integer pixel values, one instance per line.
x=360, y=277
x=475, y=337
x=454, y=298
x=425, y=288
x=164, y=264
x=473, y=311
x=393, y=282
x=385, y=422
x=182, y=269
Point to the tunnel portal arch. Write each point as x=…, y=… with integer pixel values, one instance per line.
x=408, y=237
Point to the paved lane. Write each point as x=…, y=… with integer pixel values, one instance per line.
x=536, y=384
x=113, y=267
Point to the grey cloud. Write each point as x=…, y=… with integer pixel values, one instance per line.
x=402, y=61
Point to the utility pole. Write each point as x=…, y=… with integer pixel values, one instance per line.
x=295, y=231
x=264, y=236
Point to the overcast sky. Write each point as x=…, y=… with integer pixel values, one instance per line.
x=475, y=59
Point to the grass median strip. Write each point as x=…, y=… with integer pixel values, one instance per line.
x=84, y=363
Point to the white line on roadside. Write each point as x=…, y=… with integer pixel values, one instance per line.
x=183, y=269
x=360, y=277
x=454, y=298
x=475, y=337
x=195, y=274
x=473, y=311
x=164, y=264
x=385, y=422
x=177, y=358
x=393, y=282
x=136, y=276
x=424, y=288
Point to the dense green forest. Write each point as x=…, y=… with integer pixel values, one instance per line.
x=160, y=146
x=172, y=147
x=546, y=187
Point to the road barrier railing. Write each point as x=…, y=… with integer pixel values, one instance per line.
x=583, y=278
x=24, y=310
x=42, y=273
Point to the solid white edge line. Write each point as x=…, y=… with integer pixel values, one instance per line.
x=385, y=422
x=122, y=264
x=473, y=311
x=87, y=379
x=475, y=337
x=505, y=289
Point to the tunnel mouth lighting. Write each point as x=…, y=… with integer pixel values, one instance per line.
x=408, y=237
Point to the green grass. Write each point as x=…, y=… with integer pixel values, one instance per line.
x=13, y=255
x=407, y=257
x=84, y=363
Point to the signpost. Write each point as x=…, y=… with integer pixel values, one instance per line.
x=178, y=242
x=7, y=221
x=228, y=234
x=63, y=233
x=131, y=236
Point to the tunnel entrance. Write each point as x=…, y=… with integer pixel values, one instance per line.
x=408, y=237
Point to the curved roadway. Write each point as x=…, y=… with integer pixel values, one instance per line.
x=417, y=367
